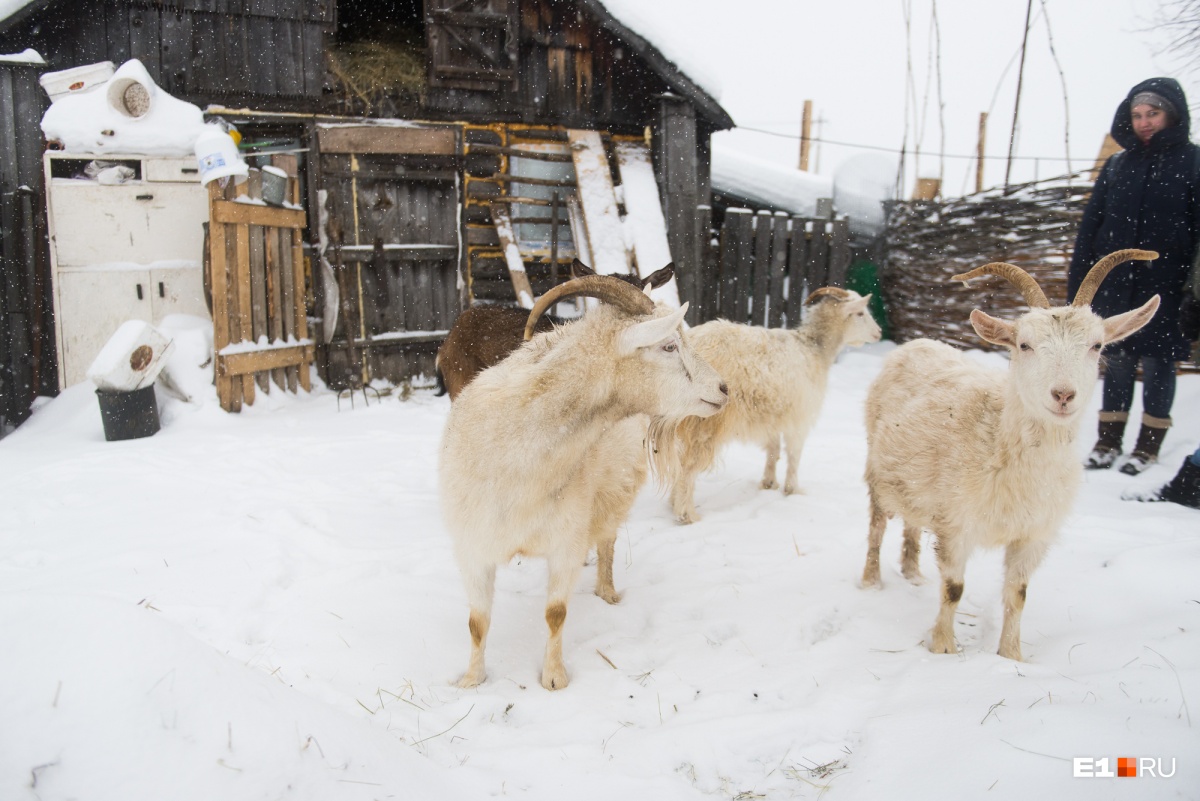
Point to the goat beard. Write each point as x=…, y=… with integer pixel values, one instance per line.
x=662, y=451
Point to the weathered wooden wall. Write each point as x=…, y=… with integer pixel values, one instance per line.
x=765, y=265
x=270, y=52
x=27, y=364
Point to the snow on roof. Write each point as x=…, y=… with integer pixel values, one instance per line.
x=27, y=56
x=10, y=7
x=765, y=182
x=857, y=190
x=653, y=23
x=86, y=122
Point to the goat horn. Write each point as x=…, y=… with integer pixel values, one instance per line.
x=1101, y=269
x=837, y=293
x=1022, y=280
x=606, y=288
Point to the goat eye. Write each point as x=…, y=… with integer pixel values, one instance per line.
x=670, y=347
x=1025, y=346
x=1099, y=346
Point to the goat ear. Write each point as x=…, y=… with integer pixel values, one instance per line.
x=650, y=332
x=1120, y=326
x=993, y=330
x=857, y=305
x=660, y=277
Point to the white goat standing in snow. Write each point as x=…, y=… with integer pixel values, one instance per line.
x=535, y=458
x=777, y=379
x=984, y=458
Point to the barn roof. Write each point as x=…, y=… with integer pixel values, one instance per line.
x=620, y=17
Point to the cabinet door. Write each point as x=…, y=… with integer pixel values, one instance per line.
x=92, y=305
x=177, y=290
x=138, y=222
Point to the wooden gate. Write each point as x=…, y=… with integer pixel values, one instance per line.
x=392, y=193
x=260, y=328
x=766, y=264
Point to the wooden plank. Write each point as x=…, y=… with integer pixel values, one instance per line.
x=644, y=213
x=274, y=295
x=599, y=203
x=367, y=139
x=235, y=213
x=145, y=40
x=251, y=362
x=245, y=315
x=816, y=269
x=512, y=256
x=736, y=221
x=220, y=294
x=176, y=50
x=258, y=291
x=797, y=258
x=702, y=285
x=779, y=253
x=286, y=282
x=839, y=252
x=761, y=269
x=300, y=318
x=745, y=269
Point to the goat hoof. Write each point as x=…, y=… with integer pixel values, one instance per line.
x=608, y=595
x=913, y=576
x=554, y=680
x=871, y=583
x=1013, y=654
x=942, y=646
x=686, y=519
x=792, y=489
x=769, y=483
x=470, y=680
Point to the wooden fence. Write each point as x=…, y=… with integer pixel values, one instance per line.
x=260, y=331
x=762, y=266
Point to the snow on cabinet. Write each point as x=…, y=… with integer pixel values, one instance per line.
x=126, y=243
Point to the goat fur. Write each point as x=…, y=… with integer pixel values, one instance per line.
x=777, y=379
x=981, y=457
x=536, y=458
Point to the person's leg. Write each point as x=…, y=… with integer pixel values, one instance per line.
x=1158, y=393
x=1117, y=397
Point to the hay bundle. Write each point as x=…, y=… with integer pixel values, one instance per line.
x=929, y=241
x=375, y=73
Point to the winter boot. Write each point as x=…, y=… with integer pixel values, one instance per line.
x=1108, y=447
x=1150, y=438
x=1184, y=489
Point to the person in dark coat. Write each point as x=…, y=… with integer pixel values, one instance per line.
x=1146, y=197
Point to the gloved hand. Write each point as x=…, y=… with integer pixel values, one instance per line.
x=1189, y=317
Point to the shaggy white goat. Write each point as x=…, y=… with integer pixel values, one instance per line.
x=985, y=458
x=535, y=452
x=777, y=379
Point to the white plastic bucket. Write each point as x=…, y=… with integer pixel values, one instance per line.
x=217, y=155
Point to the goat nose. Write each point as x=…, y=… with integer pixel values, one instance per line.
x=724, y=389
x=1063, y=396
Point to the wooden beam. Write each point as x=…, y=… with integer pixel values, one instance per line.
x=512, y=256
x=234, y=213
x=979, y=155
x=250, y=362
x=367, y=139
x=805, y=134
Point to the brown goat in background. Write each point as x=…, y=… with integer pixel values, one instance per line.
x=483, y=335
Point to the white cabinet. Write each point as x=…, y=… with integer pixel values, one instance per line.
x=130, y=251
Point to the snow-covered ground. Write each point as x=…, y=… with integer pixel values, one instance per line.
x=264, y=606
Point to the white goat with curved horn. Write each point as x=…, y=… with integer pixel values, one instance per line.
x=532, y=457
x=983, y=458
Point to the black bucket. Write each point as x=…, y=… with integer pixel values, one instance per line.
x=128, y=415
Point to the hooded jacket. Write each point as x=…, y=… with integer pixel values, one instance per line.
x=1145, y=197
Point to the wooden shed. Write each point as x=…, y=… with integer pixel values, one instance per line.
x=441, y=143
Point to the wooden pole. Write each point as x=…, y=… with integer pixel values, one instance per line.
x=983, y=115
x=1012, y=139
x=805, y=134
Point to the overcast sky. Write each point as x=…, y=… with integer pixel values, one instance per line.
x=850, y=59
